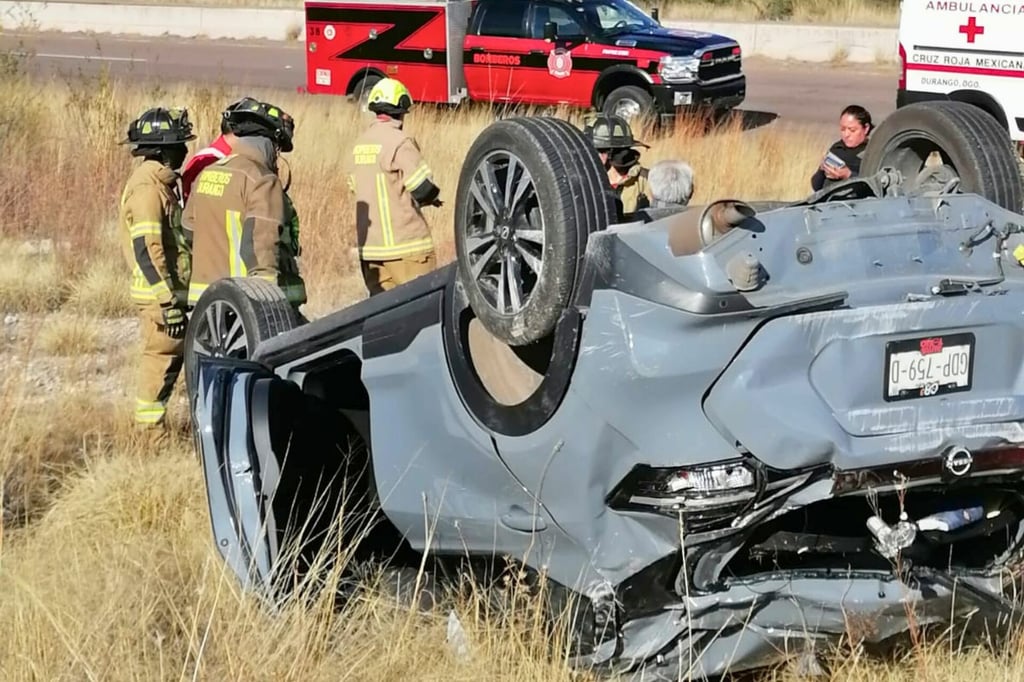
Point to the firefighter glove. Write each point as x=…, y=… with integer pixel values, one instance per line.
x=175, y=321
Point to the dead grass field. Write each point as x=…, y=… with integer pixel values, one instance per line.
x=106, y=562
x=829, y=12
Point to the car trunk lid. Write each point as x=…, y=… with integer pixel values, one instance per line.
x=876, y=385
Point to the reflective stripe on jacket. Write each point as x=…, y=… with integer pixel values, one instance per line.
x=240, y=222
x=385, y=168
x=152, y=238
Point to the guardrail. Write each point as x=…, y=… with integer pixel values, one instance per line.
x=772, y=40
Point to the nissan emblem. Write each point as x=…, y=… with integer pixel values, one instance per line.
x=958, y=461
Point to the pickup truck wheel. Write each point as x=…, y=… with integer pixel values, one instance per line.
x=231, y=318
x=969, y=142
x=530, y=192
x=631, y=102
x=361, y=91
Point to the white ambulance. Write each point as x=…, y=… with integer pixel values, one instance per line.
x=965, y=50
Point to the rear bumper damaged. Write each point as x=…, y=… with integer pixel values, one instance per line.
x=760, y=622
x=815, y=568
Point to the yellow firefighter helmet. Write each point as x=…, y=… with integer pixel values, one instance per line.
x=389, y=96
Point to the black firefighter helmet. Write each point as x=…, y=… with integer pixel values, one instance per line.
x=160, y=127
x=606, y=132
x=249, y=116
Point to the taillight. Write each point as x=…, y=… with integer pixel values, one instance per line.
x=903, y=68
x=707, y=495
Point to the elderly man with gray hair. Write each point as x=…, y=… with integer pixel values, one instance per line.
x=670, y=184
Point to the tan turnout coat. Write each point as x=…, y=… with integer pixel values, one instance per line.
x=385, y=167
x=151, y=235
x=240, y=222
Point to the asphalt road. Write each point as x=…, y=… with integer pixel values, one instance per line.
x=797, y=93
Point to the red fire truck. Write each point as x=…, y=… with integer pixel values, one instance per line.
x=607, y=54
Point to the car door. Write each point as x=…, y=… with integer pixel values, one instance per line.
x=493, y=52
x=284, y=464
x=559, y=70
x=245, y=422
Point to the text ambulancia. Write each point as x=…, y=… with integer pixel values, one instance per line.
x=967, y=51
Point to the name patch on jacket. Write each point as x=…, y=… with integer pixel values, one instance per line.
x=366, y=154
x=212, y=182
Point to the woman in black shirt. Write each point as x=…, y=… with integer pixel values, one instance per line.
x=843, y=158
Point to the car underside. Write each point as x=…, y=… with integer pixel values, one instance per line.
x=734, y=432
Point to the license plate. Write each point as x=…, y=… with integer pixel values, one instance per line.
x=928, y=366
x=679, y=98
x=323, y=77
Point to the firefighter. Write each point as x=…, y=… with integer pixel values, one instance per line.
x=238, y=216
x=391, y=182
x=613, y=139
x=216, y=150
x=221, y=147
x=156, y=251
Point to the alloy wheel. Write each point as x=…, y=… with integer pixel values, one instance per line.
x=505, y=232
x=220, y=332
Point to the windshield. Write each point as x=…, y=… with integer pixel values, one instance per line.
x=578, y=18
x=616, y=16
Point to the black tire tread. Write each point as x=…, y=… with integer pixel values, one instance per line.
x=978, y=131
x=264, y=309
x=567, y=185
x=600, y=204
x=603, y=212
x=970, y=129
x=274, y=314
x=985, y=130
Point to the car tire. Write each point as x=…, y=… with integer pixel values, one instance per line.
x=971, y=143
x=631, y=97
x=261, y=308
x=560, y=194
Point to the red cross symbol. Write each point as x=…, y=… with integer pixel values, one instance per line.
x=971, y=29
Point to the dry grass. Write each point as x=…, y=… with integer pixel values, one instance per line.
x=830, y=12
x=71, y=335
x=77, y=172
x=106, y=563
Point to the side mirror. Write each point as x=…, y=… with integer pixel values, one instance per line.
x=550, y=30
x=655, y=14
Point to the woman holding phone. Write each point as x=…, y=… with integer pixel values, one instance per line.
x=842, y=161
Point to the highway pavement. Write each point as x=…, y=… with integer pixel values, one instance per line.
x=797, y=93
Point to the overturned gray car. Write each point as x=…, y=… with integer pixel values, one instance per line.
x=734, y=432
